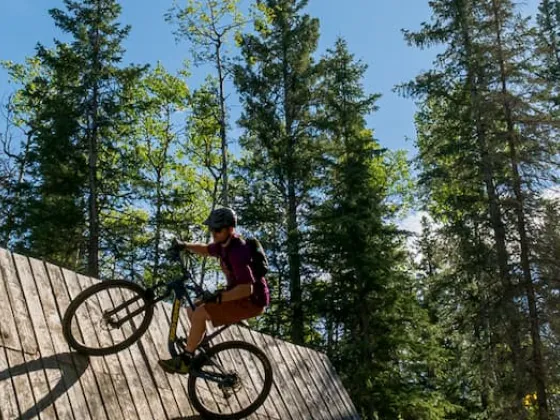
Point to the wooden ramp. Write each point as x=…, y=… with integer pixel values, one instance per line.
x=40, y=377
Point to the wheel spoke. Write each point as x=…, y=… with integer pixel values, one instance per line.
x=114, y=313
x=241, y=391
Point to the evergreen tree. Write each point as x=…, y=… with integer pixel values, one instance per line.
x=97, y=53
x=276, y=84
x=462, y=168
x=50, y=204
x=484, y=159
x=369, y=298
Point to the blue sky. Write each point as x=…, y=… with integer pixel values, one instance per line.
x=372, y=29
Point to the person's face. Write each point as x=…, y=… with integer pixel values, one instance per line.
x=221, y=235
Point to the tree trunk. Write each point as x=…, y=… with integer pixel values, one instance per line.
x=159, y=204
x=223, y=132
x=474, y=76
x=293, y=238
x=294, y=263
x=538, y=363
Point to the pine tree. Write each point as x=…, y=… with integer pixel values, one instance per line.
x=49, y=207
x=98, y=52
x=276, y=84
x=369, y=298
x=465, y=170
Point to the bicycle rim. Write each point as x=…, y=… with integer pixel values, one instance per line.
x=91, y=328
x=232, y=381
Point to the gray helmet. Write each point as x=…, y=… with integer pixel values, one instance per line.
x=221, y=218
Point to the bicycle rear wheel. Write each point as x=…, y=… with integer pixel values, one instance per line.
x=231, y=381
x=107, y=317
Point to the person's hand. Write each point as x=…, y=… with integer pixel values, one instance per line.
x=174, y=251
x=178, y=245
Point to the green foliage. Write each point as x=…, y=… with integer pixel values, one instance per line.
x=276, y=83
x=109, y=161
x=206, y=25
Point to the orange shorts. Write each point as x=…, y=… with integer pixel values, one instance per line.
x=232, y=311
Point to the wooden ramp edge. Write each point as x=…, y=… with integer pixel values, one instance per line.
x=41, y=377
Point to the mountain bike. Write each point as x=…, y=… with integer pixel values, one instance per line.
x=109, y=316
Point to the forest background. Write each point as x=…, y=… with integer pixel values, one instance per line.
x=399, y=163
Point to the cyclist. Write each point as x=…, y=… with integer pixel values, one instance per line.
x=244, y=297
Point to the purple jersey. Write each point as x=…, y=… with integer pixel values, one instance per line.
x=235, y=260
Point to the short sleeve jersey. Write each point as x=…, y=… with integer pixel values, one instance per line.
x=235, y=261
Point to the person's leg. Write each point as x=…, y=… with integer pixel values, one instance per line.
x=180, y=364
x=198, y=328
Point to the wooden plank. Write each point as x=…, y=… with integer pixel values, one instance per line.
x=294, y=380
x=86, y=397
x=8, y=401
x=184, y=328
x=141, y=404
x=298, y=383
x=336, y=384
x=314, y=398
x=283, y=398
x=318, y=374
x=292, y=398
x=150, y=387
x=160, y=330
x=254, y=377
x=112, y=362
x=268, y=408
x=52, y=376
x=22, y=314
x=244, y=396
x=58, y=352
x=90, y=333
x=25, y=332
x=8, y=329
x=138, y=398
x=273, y=402
x=157, y=376
x=91, y=384
x=18, y=371
x=142, y=367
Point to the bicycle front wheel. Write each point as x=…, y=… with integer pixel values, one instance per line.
x=230, y=381
x=107, y=317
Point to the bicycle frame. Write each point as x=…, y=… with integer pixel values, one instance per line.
x=179, y=288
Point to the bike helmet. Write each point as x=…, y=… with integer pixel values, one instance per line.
x=221, y=218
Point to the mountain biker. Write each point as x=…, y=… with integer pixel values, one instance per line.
x=244, y=297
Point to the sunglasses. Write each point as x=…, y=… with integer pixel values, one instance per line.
x=216, y=230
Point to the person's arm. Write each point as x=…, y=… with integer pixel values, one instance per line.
x=200, y=249
x=197, y=248
x=238, y=292
x=239, y=261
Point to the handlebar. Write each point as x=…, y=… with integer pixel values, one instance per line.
x=179, y=254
